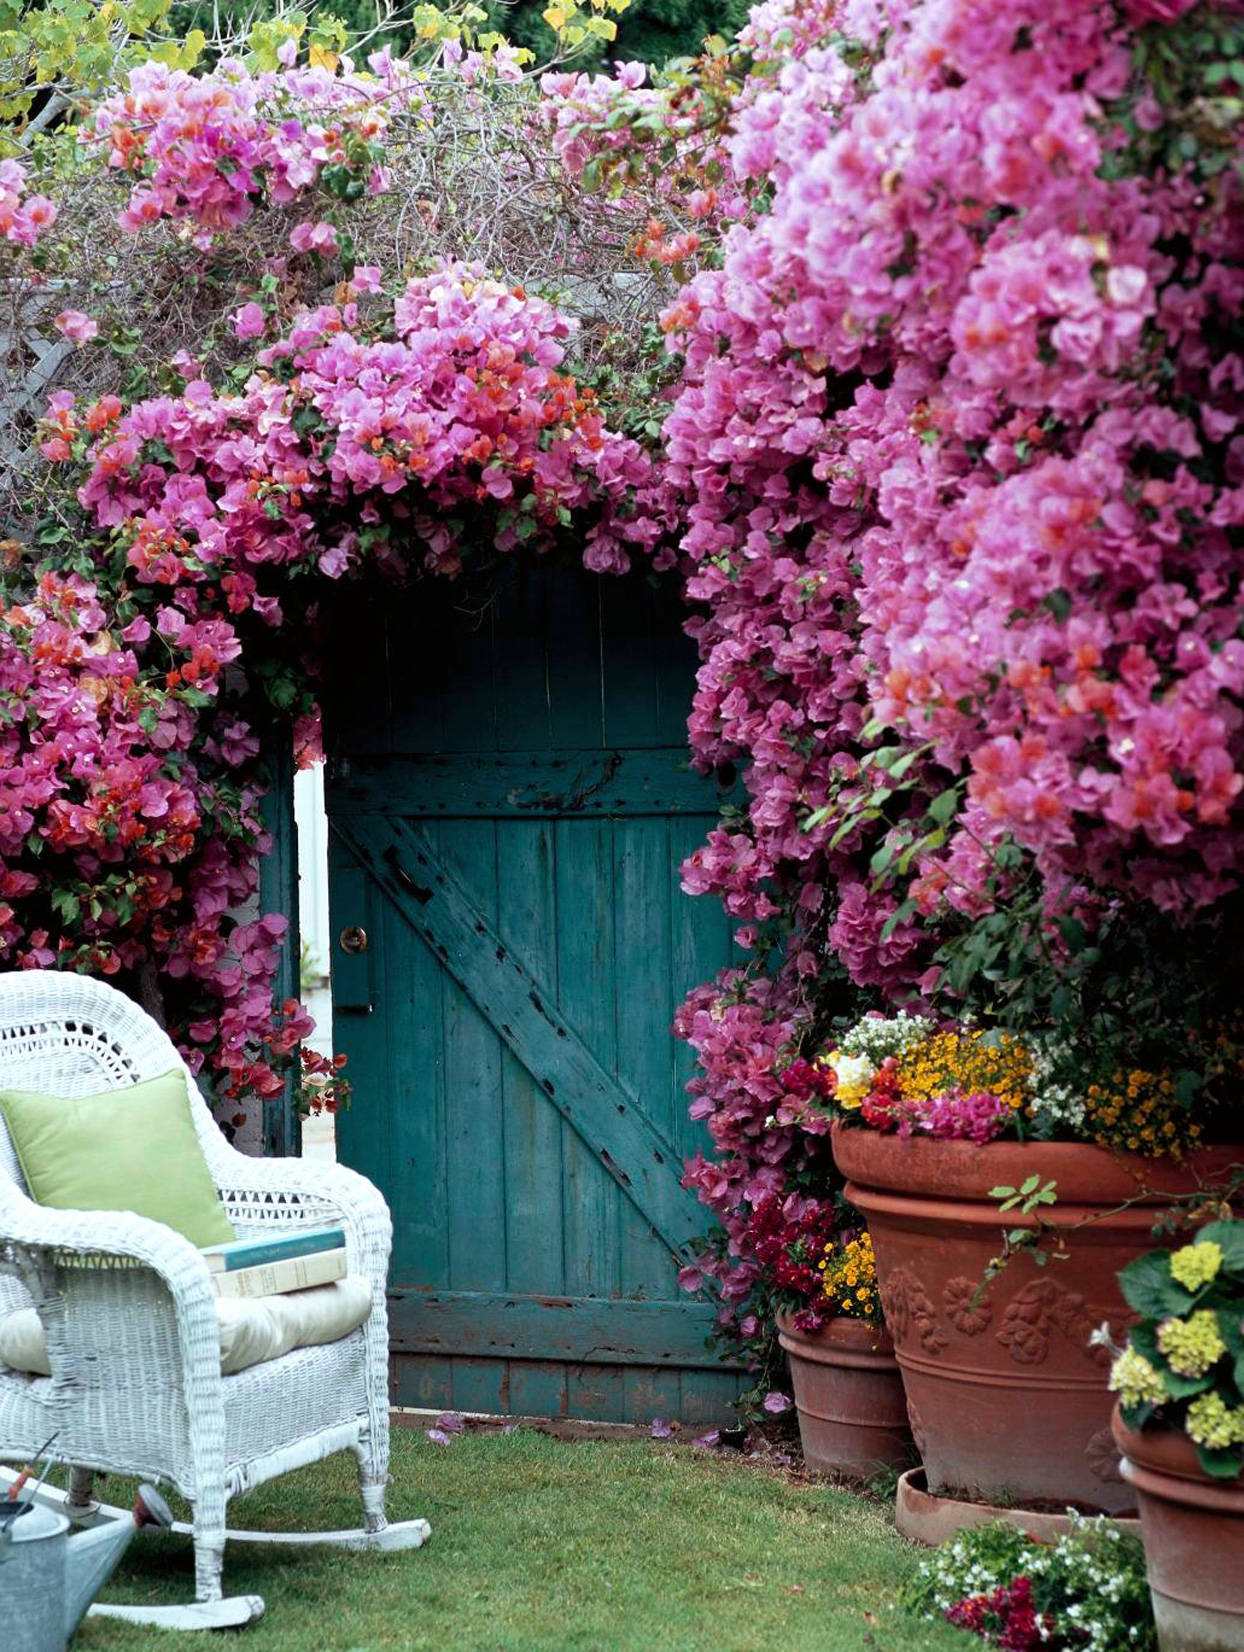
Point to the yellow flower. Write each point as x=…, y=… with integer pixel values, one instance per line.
x=1003, y=1067
x=1195, y=1265
x=1212, y=1423
x=1192, y=1345
x=850, y=1278
x=1139, y=1111
x=1135, y=1381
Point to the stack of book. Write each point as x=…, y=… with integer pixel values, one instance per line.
x=277, y=1262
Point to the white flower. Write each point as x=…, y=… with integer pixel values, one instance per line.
x=878, y=1036
x=1101, y=1338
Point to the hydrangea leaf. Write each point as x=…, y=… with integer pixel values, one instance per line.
x=1223, y=1463
x=1229, y=1237
x=1150, y=1291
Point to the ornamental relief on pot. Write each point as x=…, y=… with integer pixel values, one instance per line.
x=1041, y=1308
x=965, y=1312
x=909, y=1310
x=1102, y=1455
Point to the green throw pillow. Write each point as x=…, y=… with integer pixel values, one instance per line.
x=132, y=1149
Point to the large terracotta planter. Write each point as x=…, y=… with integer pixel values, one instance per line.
x=849, y=1395
x=1193, y=1530
x=1007, y=1400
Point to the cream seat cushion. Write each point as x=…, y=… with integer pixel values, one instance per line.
x=252, y=1329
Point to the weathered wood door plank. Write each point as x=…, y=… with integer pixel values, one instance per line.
x=525, y=785
x=582, y=1330
x=606, y=1116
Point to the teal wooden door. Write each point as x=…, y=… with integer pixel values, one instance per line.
x=509, y=800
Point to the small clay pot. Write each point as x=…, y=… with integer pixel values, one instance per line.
x=1193, y=1530
x=922, y=1518
x=849, y=1395
x=1006, y=1394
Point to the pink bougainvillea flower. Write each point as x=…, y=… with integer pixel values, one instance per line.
x=775, y=1403
x=75, y=325
x=22, y=221
x=249, y=321
x=318, y=237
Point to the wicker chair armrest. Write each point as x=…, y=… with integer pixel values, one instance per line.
x=258, y=1191
x=43, y=1244
x=118, y=1234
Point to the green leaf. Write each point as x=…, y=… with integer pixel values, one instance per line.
x=1229, y=1236
x=900, y=915
x=67, y=905
x=919, y=847
x=881, y=859
x=1144, y=1339
x=944, y=805
x=1183, y=1388
x=1223, y=1463
x=845, y=830
x=1136, y=1416
x=1231, y=1330
x=1150, y=1291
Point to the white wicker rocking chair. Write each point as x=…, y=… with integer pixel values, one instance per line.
x=136, y=1386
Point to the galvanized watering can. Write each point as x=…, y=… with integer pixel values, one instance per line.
x=48, y=1578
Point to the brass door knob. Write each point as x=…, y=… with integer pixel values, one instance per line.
x=353, y=938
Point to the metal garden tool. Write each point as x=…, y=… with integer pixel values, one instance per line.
x=48, y=1577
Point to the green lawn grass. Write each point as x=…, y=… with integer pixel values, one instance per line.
x=545, y=1546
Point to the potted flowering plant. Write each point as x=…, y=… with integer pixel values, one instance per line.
x=956, y=1145
x=1086, y=1589
x=848, y=1391
x=1180, y=1426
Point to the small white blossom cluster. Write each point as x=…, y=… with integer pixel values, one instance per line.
x=876, y=1037
x=1057, y=1107
x=1091, y=1583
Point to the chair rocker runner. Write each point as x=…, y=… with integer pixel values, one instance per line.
x=132, y=1337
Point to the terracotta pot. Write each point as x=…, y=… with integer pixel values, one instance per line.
x=922, y=1518
x=1193, y=1530
x=849, y=1395
x=1007, y=1400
